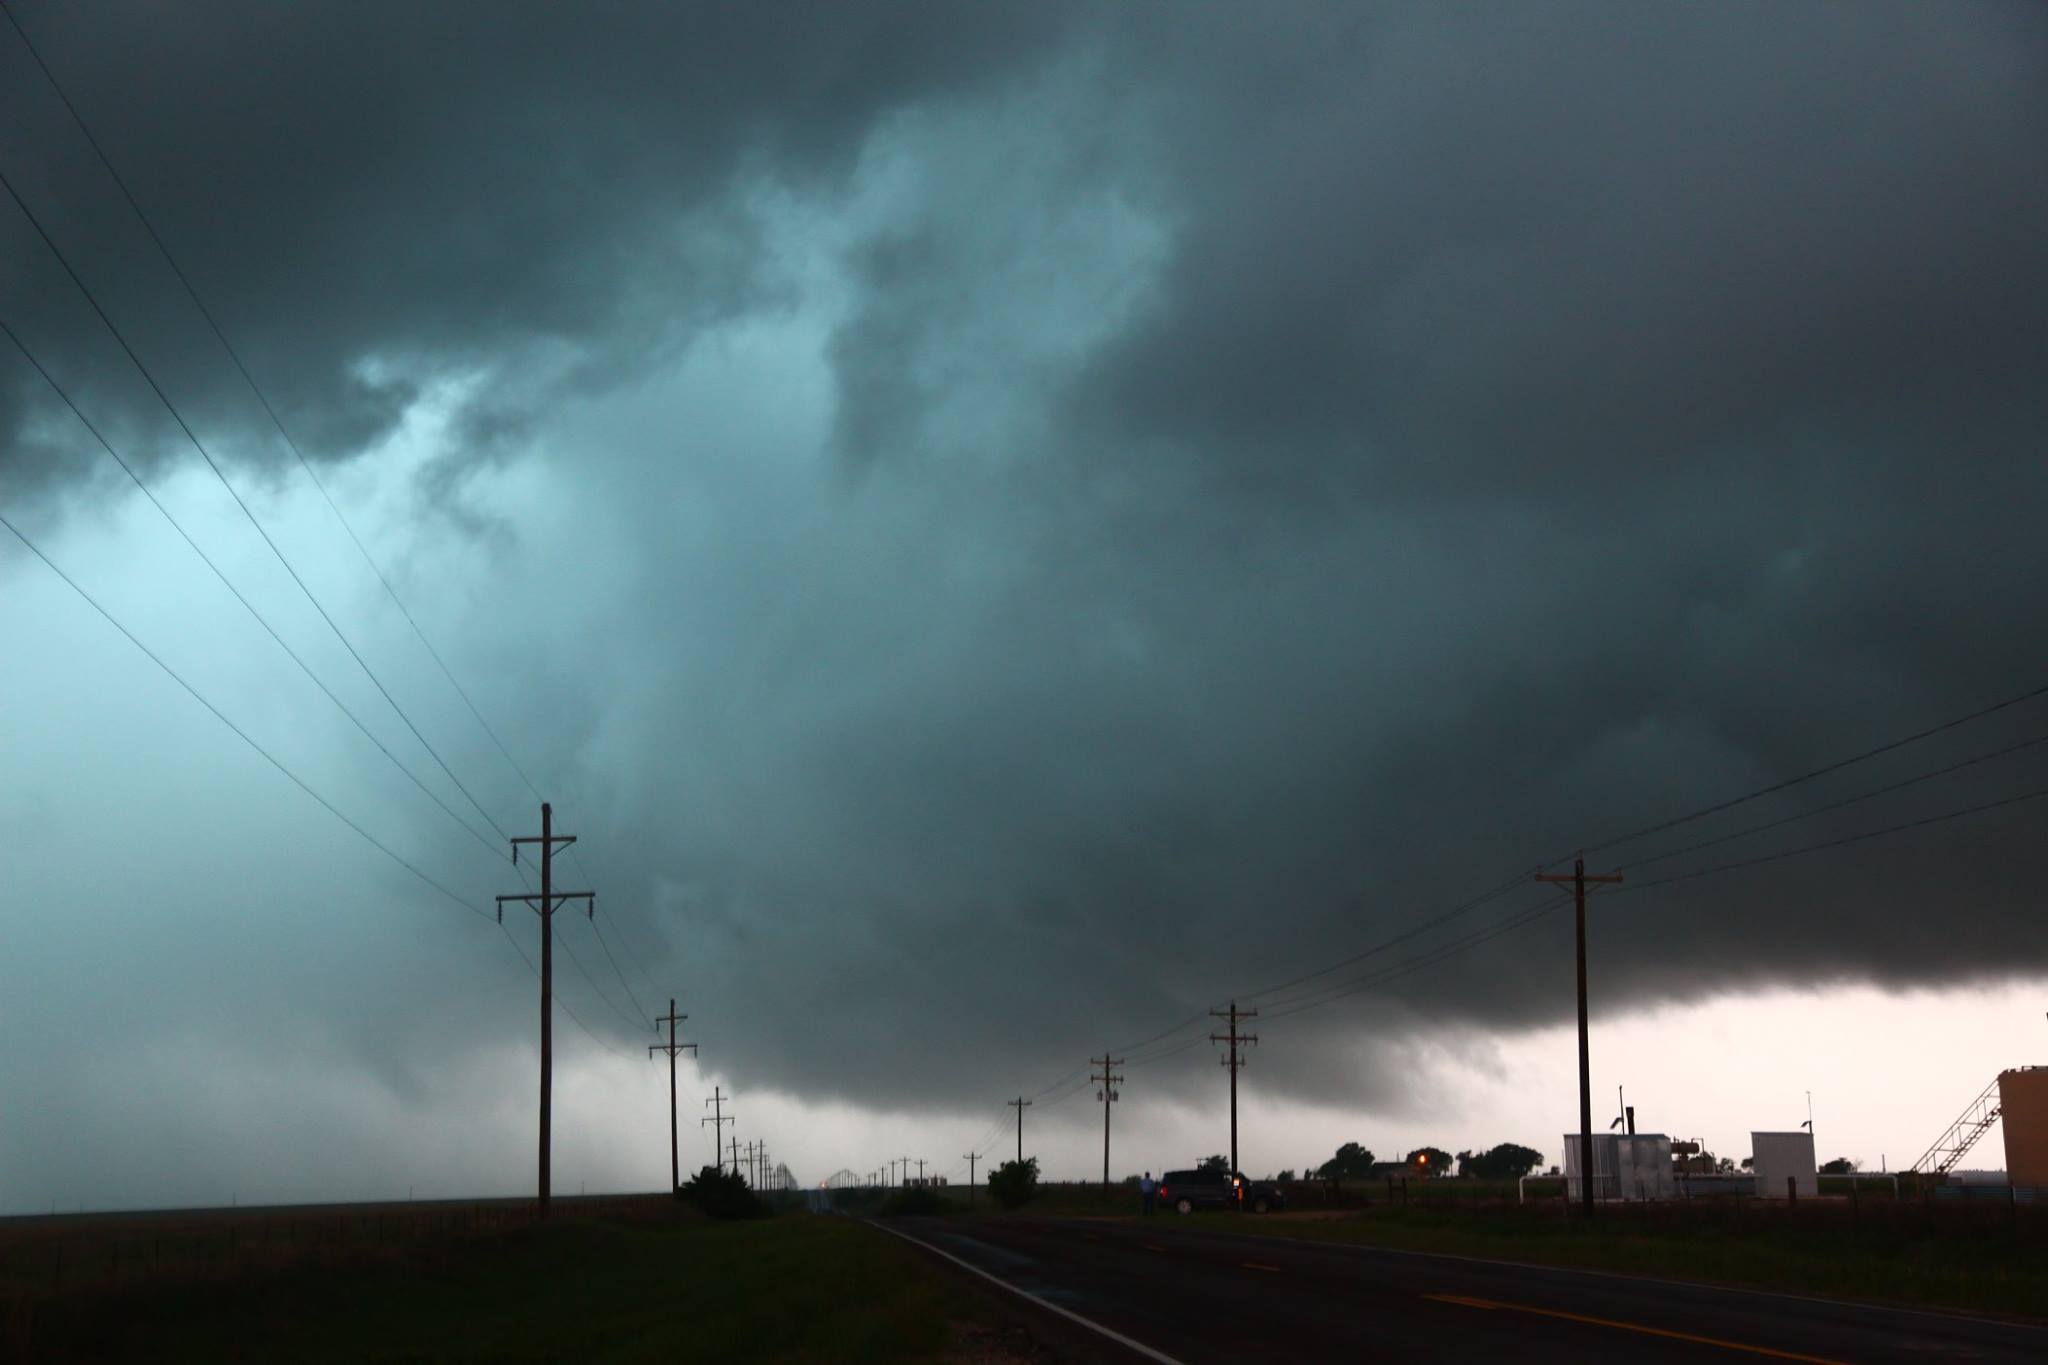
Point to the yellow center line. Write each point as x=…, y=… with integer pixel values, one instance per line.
x=1637, y=1327
x=1254, y=1265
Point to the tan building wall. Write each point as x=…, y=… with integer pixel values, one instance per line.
x=2023, y=1106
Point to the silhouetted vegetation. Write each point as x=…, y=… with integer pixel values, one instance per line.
x=723, y=1194
x=1430, y=1161
x=1014, y=1183
x=1352, y=1162
x=1508, y=1161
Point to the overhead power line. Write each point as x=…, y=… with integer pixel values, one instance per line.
x=275, y=762
x=1822, y=771
x=1825, y=844
x=228, y=583
x=599, y=932
x=270, y=410
x=1846, y=801
x=120, y=339
x=240, y=733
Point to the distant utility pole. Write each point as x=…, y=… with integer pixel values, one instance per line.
x=735, y=1143
x=972, y=1157
x=1578, y=881
x=719, y=1118
x=1109, y=1081
x=903, y=1174
x=1020, y=1104
x=920, y=1170
x=672, y=1047
x=1234, y=1058
x=545, y=904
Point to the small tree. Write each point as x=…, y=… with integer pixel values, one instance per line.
x=1508, y=1161
x=1218, y=1164
x=722, y=1194
x=1014, y=1183
x=1430, y=1161
x=1285, y=1177
x=1352, y=1162
x=1841, y=1165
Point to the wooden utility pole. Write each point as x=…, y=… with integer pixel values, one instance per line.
x=1234, y=1058
x=1020, y=1104
x=545, y=904
x=903, y=1174
x=1577, y=881
x=920, y=1170
x=972, y=1157
x=672, y=1047
x=1109, y=1081
x=719, y=1118
x=735, y=1145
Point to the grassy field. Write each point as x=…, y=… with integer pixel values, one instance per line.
x=1982, y=1260
x=652, y=1283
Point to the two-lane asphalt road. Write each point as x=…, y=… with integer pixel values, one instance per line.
x=1211, y=1296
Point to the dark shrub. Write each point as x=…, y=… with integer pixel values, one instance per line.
x=722, y=1194
x=1014, y=1183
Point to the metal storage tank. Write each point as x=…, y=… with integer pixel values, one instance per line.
x=2023, y=1107
x=1781, y=1155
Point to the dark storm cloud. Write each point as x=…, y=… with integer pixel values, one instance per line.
x=443, y=188
x=1295, y=466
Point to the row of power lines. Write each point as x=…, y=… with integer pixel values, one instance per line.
x=1531, y=895
x=457, y=800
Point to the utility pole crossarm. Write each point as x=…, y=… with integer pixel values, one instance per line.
x=548, y=904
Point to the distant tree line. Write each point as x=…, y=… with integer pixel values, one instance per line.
x=1354, y=1161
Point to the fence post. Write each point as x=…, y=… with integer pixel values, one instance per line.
x=1791, y=1190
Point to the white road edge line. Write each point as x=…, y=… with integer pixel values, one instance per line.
x=1118, y=1337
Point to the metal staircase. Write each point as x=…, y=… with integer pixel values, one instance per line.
x=1956, y=1141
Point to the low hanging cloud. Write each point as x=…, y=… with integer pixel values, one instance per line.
x=1062, y=514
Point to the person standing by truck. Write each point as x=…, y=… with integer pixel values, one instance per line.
x=1148, y=1194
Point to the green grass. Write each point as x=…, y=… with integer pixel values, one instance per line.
x=1986, y=1263
x=792, y=1288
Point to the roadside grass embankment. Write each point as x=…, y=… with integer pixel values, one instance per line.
x=650, y=1283
x=1978, y=1258
x=1981, y=1260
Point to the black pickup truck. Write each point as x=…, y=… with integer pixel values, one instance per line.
x=1186, y=1191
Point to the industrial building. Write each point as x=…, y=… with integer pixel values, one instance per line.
x=1784, y=1165
x=1626, y=1166
x=2023, y=1105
